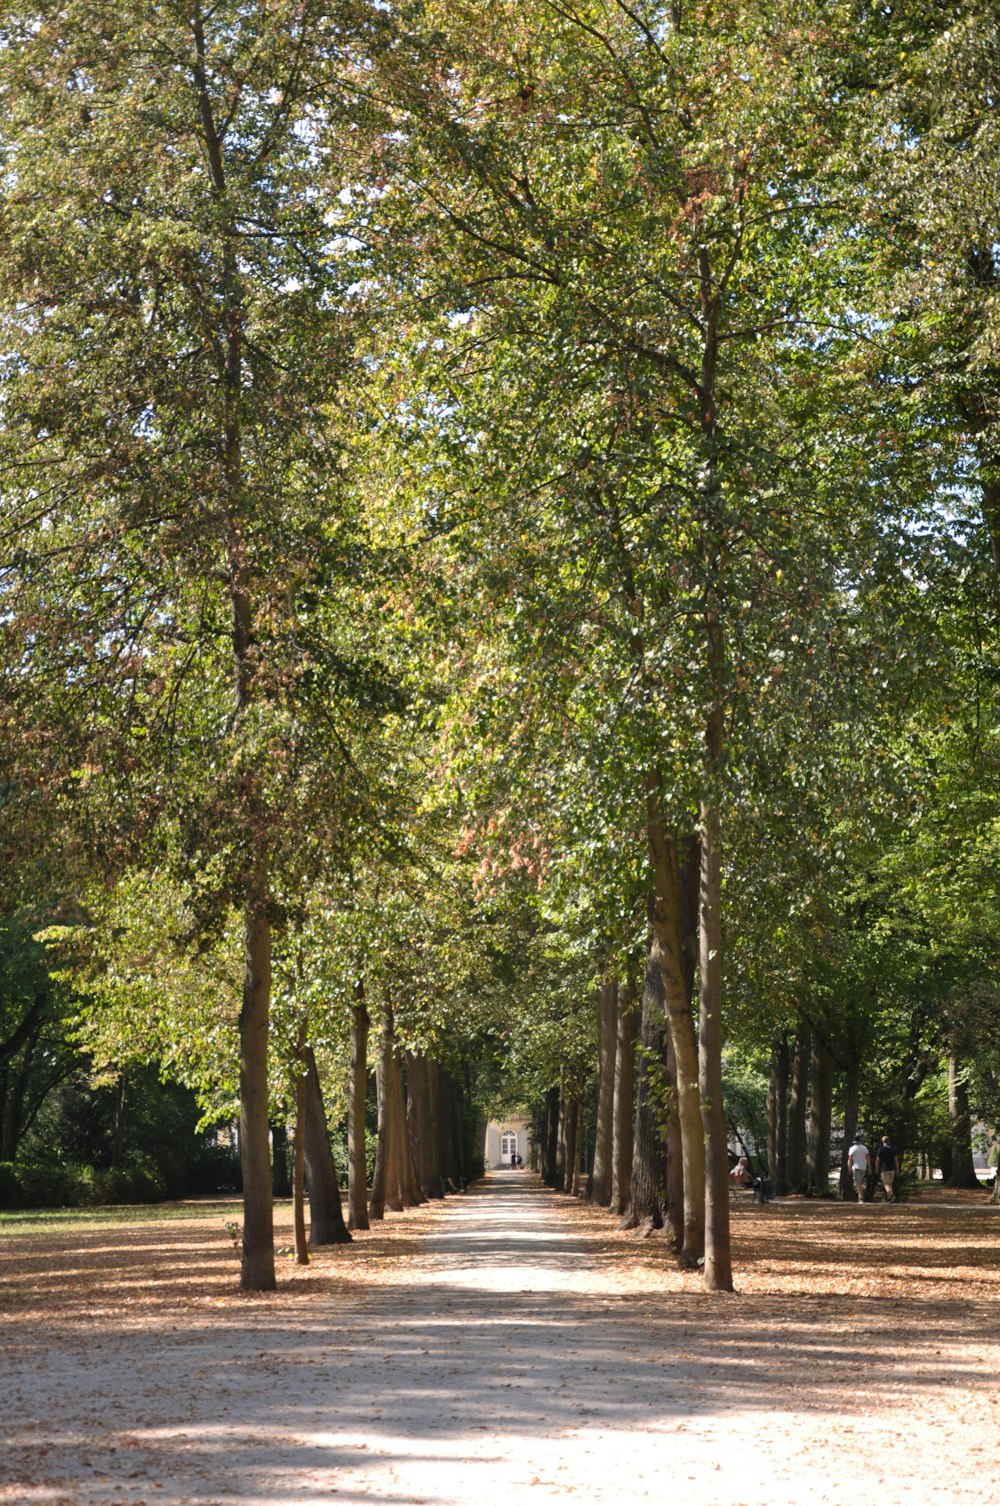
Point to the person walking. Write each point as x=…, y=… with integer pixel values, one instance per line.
x=857, y=1160
x=887, y=1165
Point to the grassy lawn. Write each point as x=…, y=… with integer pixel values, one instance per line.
x=15, y=1221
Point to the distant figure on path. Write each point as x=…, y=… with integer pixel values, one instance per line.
x=887, y=1164
x=857, y=1160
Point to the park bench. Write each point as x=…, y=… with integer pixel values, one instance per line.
x=760, y=1190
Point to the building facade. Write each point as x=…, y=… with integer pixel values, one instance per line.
x=505, y=1138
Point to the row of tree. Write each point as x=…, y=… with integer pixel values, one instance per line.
x=501, y=499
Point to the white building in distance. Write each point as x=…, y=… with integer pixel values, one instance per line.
x=504, y=1138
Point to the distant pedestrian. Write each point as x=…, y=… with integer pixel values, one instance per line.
x=857, y=1160
x=887, y=1164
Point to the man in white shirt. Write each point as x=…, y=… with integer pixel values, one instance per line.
x=857, y=1160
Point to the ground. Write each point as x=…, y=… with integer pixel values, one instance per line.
x=509, y=1345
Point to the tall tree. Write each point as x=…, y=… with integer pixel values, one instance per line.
x=178, y=324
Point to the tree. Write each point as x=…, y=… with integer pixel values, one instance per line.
x=175, y=306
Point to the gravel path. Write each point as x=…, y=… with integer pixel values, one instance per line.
x=515, y=1362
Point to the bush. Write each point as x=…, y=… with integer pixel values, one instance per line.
x=38, y=1184
x=135, y=1182
x=51, y=1185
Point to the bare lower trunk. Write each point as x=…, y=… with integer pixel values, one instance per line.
x=404, y=1169
x=626, y=1024
x=405, y=1190
x=449, y=1137
x=572, y=1152
x=326, y=1217
x=676, y=964
x=963, y=1170
x=281, y=1181
x=550, y=1144
x=421, y=1123
x=357, y=1150
x=645, y=1207
x=852, y=1099
x=383, y=1149
x=673, y=1208
x=561, y=1124
x=257, y=1272
x=797, y=1109
x=820, y=1119
x=607, y=1035
x=777, y=1113
x=299, y=1164
x=718, y=1252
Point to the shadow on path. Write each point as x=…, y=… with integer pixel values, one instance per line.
x=502, y=1356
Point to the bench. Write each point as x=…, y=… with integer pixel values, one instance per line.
x=760, y=1190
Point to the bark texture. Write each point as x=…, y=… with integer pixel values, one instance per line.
x=607, y=1037
x=326, y=1217
x=299, y=1166
x=645, y=1206
x=963, y=1170
x=421, y=1123
x=257, y=1273
x=777, y=1113
x=626, y=1025
x=820, y=1120
x=718, y=1252
x=852, y=1100
x=357, y=1150
x=550, y=1142
x=676, y=966
x=797, y=1109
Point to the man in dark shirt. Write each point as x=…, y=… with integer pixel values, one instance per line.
x=887, y=1164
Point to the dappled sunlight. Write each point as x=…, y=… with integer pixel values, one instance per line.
x=511, y=1341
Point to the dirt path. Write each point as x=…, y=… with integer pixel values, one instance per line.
x=518, y=1349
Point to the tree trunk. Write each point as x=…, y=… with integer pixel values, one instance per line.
x=383, y=1149
x=963, y=1171
x=852, y=1102
x=299, y=1163
x=797, y=1109
x=326, y=1217
x=572, y=1152
x=607, y=1035
x=820, y=1122
x=718, y=1251
x=673, y=1209
x=550, y=1146
x=421, y=1123
x=626, y=1023
x=407, y=1187
x=13, y=1084
x=257, y=1267
x=357, y=1148
x=257, y=1272
x=281, y=1181
x=561, y=1123
x=450, y=1158
x=121, y=1120
x=676, y=965
x=777, y=1114
x=645, y=1207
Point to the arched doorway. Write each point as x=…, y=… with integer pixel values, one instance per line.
x=508, y=1147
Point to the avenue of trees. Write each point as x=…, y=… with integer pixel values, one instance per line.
x=499, y=589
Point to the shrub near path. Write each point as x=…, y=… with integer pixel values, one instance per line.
x=511, y=1344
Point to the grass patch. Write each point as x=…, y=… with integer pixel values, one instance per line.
x=37, y=1220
